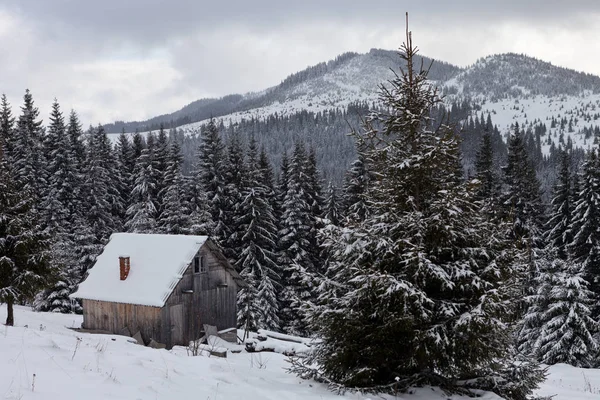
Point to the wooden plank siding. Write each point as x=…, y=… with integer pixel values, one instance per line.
x=199, y=298
x=212, y=299
x=113, y=317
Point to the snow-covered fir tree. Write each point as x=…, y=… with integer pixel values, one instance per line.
x=559, y=234
x=426, y=273
x=584, y=247
x=117, y=185
x=60, y=208
x=235, y=182
x=162, y=161
x=521, y=201
x=484, y=169
x=281, y=186
x=137, y=145
x=210, y=178
x=97, y=190
x=314, y=197
x=566, y=330
x=175, y=216
x=296, y=261
x=332, y=212
x=7, y=125
x=27, y=155
x=126, y=165
x=355, y=187
x=25, y=266
x=141, y=214
x=258, y=306
x=76, y=143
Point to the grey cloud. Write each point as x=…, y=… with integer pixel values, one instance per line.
x=156, y=21
x=179, y=51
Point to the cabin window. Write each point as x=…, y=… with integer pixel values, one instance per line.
x=199, y=265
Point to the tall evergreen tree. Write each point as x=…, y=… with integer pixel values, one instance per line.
x=126, y=165
x=75, y=134
x=97, y=188
x=558, y=226
x=521, y=200
x=295, y=247
x=141, y=214
x=585, y=245
x=162, y=161
x=27, y=157
x=137, y=146
x=332, y=205
x=484, y=168
x=59, y=209
x=282, y=186
x=24, y=258
x=257, y=303
x=210, y=177
x=175, y=216
x=428, y=271
x=355, y=187
x=235, y=183
x=566, y=332
x=7, y=124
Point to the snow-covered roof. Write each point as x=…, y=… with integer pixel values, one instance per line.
x=158, y=263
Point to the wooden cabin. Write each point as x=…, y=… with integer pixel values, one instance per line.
x=164, y=286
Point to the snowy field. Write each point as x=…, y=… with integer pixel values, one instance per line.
x=41, y=358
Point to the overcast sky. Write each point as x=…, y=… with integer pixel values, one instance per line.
x=134, y=59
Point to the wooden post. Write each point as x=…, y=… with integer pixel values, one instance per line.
x=10, y=317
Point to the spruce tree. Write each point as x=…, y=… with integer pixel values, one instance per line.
x=76, y=144
x=98, y=188
x=24, y=257
x=566, y=332
x=521, y=200
x=235, y=182
x=161, y=164
x=141, y=214
x=126, y=164
x=295, y=243
x=484, y=169
x=282, y=186
x=59, y=209
x=137, y=146
x=427, y=298
x=210, y=178
x=7, y=124
x=558, y=226
x=175, y=216
x=585, y=245
x=27, y=157
x=355, y=187
x=117, y=185
x=332, y=206
x=258, y=306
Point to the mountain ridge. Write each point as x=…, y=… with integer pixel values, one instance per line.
x=202, y=109
x=357, y=76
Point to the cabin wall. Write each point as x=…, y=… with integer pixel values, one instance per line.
x=203, y=298
x=114, y=317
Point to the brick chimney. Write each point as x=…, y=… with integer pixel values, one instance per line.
x=124, y=267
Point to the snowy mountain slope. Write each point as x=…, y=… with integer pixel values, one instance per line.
x=510, y=87
x=42, y=359
x=349, y=78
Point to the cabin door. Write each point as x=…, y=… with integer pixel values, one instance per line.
x=177, y=328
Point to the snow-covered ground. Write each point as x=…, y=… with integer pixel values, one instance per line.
x=41, y=358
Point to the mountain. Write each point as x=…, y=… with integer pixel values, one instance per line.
x=348, y=78
x=322, y=103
